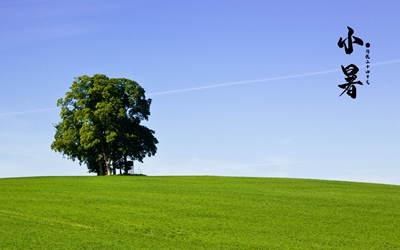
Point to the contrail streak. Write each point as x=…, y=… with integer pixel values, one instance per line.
x=261, y=80
x=219, y=85
x=385, y=62
x=28, y=111
x=243, y=82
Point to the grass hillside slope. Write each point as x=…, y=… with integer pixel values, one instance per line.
x=131, y=212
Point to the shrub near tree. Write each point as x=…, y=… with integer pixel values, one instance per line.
x=100, y=123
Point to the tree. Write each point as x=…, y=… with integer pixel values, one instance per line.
x=100, y=123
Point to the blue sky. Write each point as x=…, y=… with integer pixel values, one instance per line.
x=239, y=88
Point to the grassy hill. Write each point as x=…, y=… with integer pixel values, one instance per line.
x=132, y=212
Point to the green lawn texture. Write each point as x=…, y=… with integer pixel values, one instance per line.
x=142, y=212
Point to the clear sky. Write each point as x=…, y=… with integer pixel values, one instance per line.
x=239, y=88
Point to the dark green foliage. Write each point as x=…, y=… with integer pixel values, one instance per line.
x=101, y=123
x=196, y=213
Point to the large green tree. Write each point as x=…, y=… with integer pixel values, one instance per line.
x=100, y=123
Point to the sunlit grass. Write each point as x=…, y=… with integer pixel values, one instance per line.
x=133, y=212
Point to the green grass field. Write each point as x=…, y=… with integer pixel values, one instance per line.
x=141, y=212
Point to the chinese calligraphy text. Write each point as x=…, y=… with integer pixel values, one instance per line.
x=351, y=70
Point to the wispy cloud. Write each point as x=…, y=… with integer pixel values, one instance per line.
x=22, y=154
x=242, y=82
x=27, y=112
x=261, y=80
x=168, y=92
x=271, y=166
x=33, y=21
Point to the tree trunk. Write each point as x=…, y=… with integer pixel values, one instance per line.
x=108, y=172
x=100, y=172
x=114, y=169
x=125, y=165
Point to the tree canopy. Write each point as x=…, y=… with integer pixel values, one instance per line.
x=100, y=123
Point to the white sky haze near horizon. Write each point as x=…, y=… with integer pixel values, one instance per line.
x=239, y=88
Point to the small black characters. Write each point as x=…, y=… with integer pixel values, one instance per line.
x=367, y=57
x=351, y=70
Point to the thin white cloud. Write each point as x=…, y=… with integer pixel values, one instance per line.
x=271, y=164
x=261, y=80
x=243, y=82
x=385, y=62
x=27, y=112
x=218, y=86
x=33, y=21
x=21, y=154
